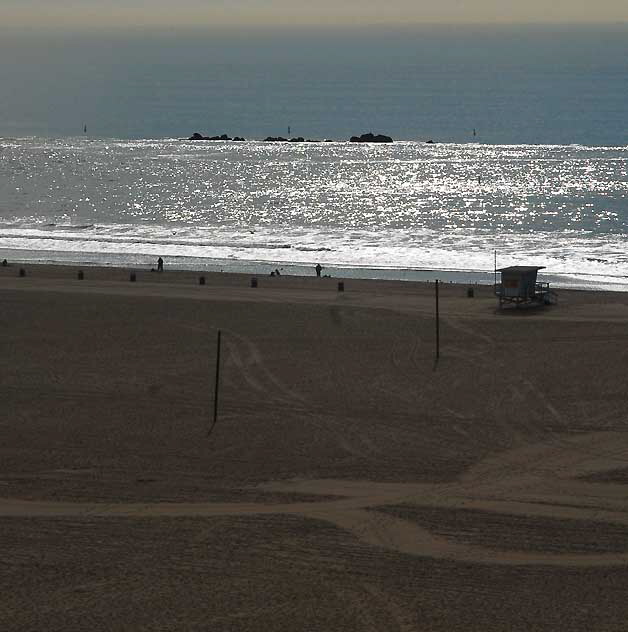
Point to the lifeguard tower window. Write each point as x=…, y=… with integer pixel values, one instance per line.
x=519, y=286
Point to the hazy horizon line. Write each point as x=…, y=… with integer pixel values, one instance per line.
x=78, y=28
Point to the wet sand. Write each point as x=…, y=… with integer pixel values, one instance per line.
x=351, y=482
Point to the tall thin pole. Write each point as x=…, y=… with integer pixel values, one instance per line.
x=437, y=323
x=217, y=385
x=495, y=276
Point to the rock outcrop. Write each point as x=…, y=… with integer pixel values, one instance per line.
x=371, y=138
x=197, y=136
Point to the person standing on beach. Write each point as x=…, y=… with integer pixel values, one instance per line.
x=318, y=269
x=160, y=265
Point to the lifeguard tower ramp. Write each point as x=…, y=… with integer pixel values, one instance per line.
x=519, y=286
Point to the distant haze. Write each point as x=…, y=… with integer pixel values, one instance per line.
x=137, y=13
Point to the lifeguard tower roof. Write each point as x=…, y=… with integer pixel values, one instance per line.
x=521, y=269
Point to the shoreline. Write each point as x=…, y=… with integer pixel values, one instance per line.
x=261, y=269
x=286, y=288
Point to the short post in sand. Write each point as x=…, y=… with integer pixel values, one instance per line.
x=216, y=385
x=437, y=322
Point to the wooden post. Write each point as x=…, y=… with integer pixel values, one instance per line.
x=217, y=385
x=437, y=323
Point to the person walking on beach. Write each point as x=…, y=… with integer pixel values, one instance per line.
x=160, y=265
x=318, y=269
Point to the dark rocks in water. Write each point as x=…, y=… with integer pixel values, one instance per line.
x=197, y=136
x=371, y=138
x=430, y=142
x=365, y=138
x=281, y=139
x=221, y=137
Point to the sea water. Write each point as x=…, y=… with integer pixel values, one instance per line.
x=511, y=84
x=390, y=210
x=530, y=157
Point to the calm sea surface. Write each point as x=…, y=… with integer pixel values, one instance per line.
x=544, y=180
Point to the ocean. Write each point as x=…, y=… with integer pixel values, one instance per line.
x=530, y=157
x=378, y=210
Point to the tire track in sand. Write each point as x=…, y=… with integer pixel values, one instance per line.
x=539, y=480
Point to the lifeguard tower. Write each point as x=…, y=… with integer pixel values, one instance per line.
x=519, y=286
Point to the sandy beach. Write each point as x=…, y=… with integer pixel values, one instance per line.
x=351, y=481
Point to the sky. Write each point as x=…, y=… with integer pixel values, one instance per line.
x=89, y=14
